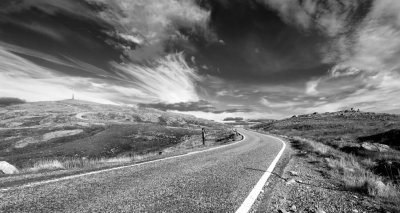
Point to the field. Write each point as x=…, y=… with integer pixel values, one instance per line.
x=57, y=135
x=361, y=149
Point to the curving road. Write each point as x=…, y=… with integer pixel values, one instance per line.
x=218, y=180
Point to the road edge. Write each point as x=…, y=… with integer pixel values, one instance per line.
x=247, y=204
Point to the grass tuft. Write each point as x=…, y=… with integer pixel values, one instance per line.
x=79, y=163
x=371, y=184
x=75, y=163
x=44, y=165
x=313, y=146
x=344, y=163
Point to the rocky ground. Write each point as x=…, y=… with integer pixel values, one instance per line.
x=304, y=183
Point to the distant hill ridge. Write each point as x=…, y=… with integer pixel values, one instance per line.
x=336, y=127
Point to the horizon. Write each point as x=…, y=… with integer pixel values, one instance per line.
x=220, y=118
x=271, y=59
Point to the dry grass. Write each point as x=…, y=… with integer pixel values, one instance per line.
x=371, y=184
x=123, y=159
x=353, y=171
x=368, y=163
x=335, y=139
x=358, y=178
x=44, y=165
x=77, y=163
x=344, y=163
x=313, y=146
x=144, y=156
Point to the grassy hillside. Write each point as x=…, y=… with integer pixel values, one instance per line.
x=362, y=147
x=339, y=128
x=31, y=132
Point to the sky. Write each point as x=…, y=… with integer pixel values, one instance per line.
x=209, y=58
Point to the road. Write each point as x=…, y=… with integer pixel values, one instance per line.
x=213, y=181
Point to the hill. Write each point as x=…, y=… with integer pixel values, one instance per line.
x=352, y=151
x=367, y=135
x=35, y=131
x=338, y=128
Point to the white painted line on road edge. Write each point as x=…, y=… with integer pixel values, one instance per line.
x=114, y=168
x=252, y=197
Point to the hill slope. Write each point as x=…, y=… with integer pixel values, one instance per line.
x=356, y=152
x=338, y=128
x=72, y=128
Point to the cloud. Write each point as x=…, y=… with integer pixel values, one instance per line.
x=359, y=42
x=43, y=29
x=376, y=44
x=154, y=20
x=152, y=24
x=232, y=93
x=311, y=87
x=49, y=7
x=197, y=106
x=168, y=79
x=133, y=38
x=220, y=117
x=364, y=34
x=359, y=31
x=329, y=17
x=201, y=105
x=59, y=60
x=343, y=71
x=141, y=28
x=22, y=79
x=284, y=104
x=235, y=105
x=380, y=94
x=64, y=61
x=363, y=45
x=233, y=119
x=33, y=53
x=232, y=110
x=222, y=93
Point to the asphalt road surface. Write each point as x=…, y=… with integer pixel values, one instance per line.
x=214, y=181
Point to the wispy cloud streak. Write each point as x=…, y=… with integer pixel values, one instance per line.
x=168, y=80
